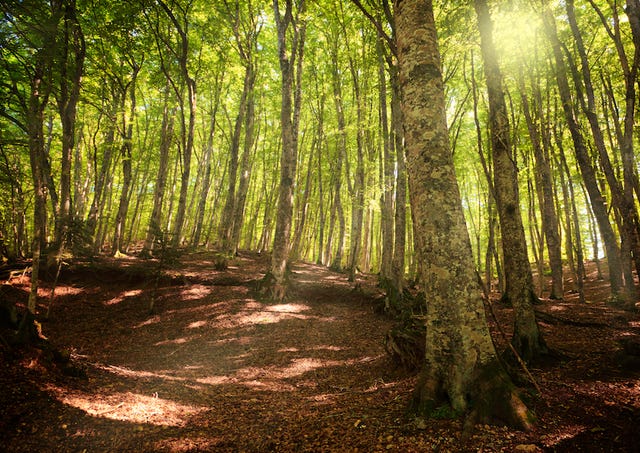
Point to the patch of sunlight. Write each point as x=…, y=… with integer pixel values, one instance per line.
x=327, y=348
x=239, y=340
x=271, y=386
x=322, y=399
x=153, y=320
x=301, y=366
x=201, y=308
x=297, y=367
x=197, y=324
x=562, y=434
x=195, y=292
x=253, y=305
x=634, y=323
x=215, y=380
x=288, y=308
x=289, y=350
x=130, y=407
x=193, y=367
x=127, y=372
x=254, y=318
x=174, y=341
x=557, y=307
x=123, y=296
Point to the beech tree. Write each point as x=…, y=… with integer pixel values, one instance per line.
x=462, y=368
x=291, y=22
x=527, y=338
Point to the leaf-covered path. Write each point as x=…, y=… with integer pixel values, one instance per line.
x=214, y=368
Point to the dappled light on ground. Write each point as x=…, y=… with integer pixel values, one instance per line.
x=216, y=368
x=130, y=407
x=123, y=296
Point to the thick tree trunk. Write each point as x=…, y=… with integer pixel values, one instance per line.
x=527, y=338
x=462, y=368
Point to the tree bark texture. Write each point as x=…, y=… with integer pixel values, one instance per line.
x=288, y=158
x=462, y=368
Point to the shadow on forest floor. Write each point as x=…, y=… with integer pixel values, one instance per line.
x=213, y=368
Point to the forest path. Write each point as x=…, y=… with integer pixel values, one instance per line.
x=214, y=368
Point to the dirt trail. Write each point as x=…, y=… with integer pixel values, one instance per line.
x=216, y=369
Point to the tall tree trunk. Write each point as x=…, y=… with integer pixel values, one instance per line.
x=206, y=178
x=72, y=53
x=40, y=89
x=154, y=229
x=102, y=173
x=527, y=338
x=340, y=159
x=549, y=217
x=622, y=200
x=288, y=57
x=400, y=227
x=584, y=160
x=187, y=124
x=388, y=165
x=125, y=154
x=572, y=224
x=226, y=221
x=245, y=175
x=462, y=368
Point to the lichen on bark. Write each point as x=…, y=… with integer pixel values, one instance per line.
x=462, y=369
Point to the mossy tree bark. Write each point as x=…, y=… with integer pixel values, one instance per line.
x=462, y=368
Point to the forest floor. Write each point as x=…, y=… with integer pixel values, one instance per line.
x=213, y=368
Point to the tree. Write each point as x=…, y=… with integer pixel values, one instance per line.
x=290, y=59
x=462, y=368
x=587, y=170
x=527, y=338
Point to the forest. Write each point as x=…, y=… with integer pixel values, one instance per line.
x=328, y=225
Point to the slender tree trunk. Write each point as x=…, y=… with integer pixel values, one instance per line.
x=388, y=165
x=548, y=210
x=155, y=221
x=400, y=227
x=105, y=169
x=40, y=90
x=125, y=152
x=584, y=160
x=289, y=116
x=226, y=221
x=572, y=225
x=206, y=178
x=72, y=53
x=527, y=338
x=628, y=215
x=304, y=202
x=462, y=368
x=245, y=175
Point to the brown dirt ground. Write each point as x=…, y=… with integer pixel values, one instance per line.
x=214, y=368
